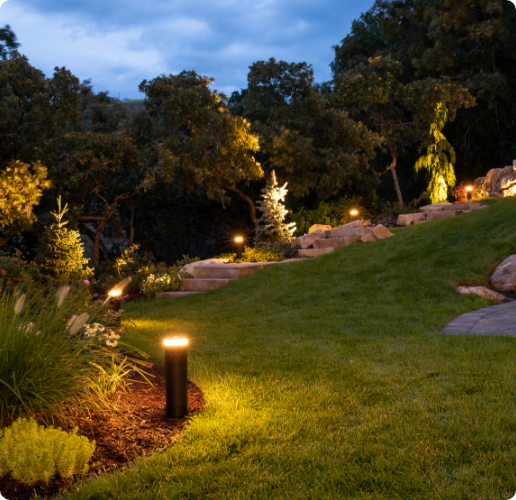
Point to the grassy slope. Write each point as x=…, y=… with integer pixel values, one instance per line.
x=328, y=378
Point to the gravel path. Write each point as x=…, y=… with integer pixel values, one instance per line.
x=499, y=319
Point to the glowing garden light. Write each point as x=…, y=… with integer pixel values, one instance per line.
x=469, y=190
x=176, y=380
x=239, y=243
x=114, y=295
x=353, y=213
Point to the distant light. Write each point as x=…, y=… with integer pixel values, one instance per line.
x=469, y=188
x=353, y=212
x=239, y=239
x=115, y=293
x=175, y=342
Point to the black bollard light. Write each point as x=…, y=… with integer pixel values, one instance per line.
x=239, y=244
x=469, y=190
x=114, y=295
x=176, y=380
x=353, y=214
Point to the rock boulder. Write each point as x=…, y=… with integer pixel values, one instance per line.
x=504, y=277
x=315, y=227
x=482, y=291
x=308, y=239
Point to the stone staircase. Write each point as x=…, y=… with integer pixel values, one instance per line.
x=212, y=276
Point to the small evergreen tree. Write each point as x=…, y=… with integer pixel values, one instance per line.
x=439, y=159
x=61, y=253
x=273, y=210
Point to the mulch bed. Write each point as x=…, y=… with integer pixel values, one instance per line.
x=119, y=440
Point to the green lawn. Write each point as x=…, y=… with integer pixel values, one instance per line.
x=328, y=378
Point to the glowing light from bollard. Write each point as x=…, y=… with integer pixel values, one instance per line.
x=176, y=379
x=469, y=190
x=353, y=213
x=115, y=293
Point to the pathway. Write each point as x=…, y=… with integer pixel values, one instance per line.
x=499, y=319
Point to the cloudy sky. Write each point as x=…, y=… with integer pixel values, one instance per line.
x=119, y=43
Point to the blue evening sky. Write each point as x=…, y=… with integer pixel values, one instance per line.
x=119, y=43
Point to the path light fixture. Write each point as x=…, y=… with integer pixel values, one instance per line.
x=176, y=381
x=469, y=190
x=239, y=243
x=114, y=296
x=353, y=213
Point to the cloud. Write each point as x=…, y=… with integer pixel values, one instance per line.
x=118, y=44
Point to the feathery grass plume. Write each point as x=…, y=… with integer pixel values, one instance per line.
x=19, y=305
x=61, y=294
x=78, y=323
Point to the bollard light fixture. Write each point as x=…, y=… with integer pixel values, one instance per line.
x=469, y=190
x=353, y=213
x=239, y=243
x=114, y=295
x=176, y=379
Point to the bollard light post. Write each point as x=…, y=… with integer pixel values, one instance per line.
x=354, y=214
x=114, y=295
x=239, y=243
x=469, y=190
x=176, y=379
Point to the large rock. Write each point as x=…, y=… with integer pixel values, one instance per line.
x=482, y=291
x=381, y=232
x=355, y=223
x=508, y=185
x=335, y=242
x=189, y=268
x=315, y=252
x=504, y=277
x=410, y=219
x=315, y=227
x=434, y=207
x=494, y=176
x=348, y=232
x=368, y=237
x=307, y=240
x=443, y=214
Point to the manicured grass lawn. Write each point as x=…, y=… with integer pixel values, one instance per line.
x=329, y=378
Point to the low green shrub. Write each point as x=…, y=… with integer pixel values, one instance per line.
x=165, y=283
x=32, y=453
x=254, y=255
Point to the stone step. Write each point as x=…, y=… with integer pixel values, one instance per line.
x=203, y=284
x=315, y=252
x=174, y=294
x=228, y=271
x=335, y=242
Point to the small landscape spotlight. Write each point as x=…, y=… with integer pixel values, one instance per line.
x=353, y=213
x=114, y=295
x=469, y=190
x=176, y=381
x=239, y=243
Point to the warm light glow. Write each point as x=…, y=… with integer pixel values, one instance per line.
x=353, y=212
x=175, y=342
x=115, y=293
x=239, y=239
x=469, y=188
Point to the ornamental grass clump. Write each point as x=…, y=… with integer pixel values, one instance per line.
x=47, y=356
x=30, y=452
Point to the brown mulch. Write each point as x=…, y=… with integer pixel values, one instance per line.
x=119, y=440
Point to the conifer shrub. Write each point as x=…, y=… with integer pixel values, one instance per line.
x=30, y=452
x=272, y=227
x=61, y=254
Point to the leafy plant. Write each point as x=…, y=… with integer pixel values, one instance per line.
x=46, y=355
x=32, y=453
x=109, y=379
x=254, y=255
x=20, y=191
x=165, y=283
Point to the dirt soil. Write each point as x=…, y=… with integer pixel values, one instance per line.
x=119, y=440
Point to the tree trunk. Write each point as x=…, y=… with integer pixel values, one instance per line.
x=96, y=243
x=91, y=235
x=392, y=168
x=248, y=201
x=131, y=228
